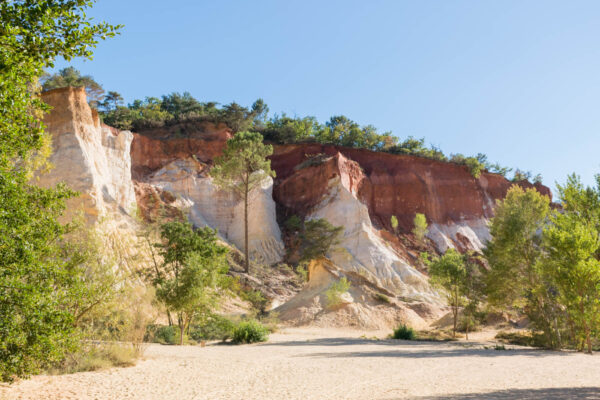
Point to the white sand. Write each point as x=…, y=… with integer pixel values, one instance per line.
x=329, y=364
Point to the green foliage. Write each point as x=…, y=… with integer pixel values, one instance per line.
x=459, y=277
x=213, y=327
x=514, y=248
x=572, y=242
x=546, y=263
x=416, y=147
x=256, y=299
x=35, y=328
x=193, y=272
x=241, y=169
x=112, y=101
x=293, y=223
x=152, y=112
x=70, y=76
x=382, y=298
x=335, y=291
x=302, y=271
x=475, y=164
x=244, y=163
x=394, y=222
x=250, y=332
x=96, y=356
x=420, y=229
x=163, y=334
x=521, y=175
x=404, y=332
x=318, y=237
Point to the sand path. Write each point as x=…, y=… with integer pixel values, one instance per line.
x=329, y=364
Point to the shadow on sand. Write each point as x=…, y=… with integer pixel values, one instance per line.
x=591, y=393
x=411, y=349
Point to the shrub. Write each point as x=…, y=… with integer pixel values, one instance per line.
x=420, y=229
x=250, y=332
x=215, y=327
x=96, y=356
x=302, y=271
x=335, y=292
x=162, y=334
x=256, y=299
x=382, y=298
x=404, y=332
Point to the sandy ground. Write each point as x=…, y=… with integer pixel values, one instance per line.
x=330, y=364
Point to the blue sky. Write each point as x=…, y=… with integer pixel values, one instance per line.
x=516, y=80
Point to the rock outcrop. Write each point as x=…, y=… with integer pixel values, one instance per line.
x=92, y=158
x=456, y=205
x=365, y=305
x=362, y=250
x=207, y=205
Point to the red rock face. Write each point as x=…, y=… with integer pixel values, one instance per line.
x=389, y=184
x=156, y=148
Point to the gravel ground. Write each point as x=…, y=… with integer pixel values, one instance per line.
x=330, y=364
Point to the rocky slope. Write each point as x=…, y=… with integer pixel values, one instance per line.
x=168, y=168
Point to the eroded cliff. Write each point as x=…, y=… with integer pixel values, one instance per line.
x=360, y=190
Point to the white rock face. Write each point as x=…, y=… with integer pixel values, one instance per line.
x=91, y=159
x=363, y=251
x=472, y=234
x=207, y=205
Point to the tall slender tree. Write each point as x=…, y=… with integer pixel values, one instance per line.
x=242, y=168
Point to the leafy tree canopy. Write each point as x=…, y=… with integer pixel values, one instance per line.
x=35, y=326
x=70, y=76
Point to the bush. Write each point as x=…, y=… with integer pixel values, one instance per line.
x=382, y=298
x=162, y=334
x=97, y=356
x=215, y=327
x=256, y=299
x=250, y=332
x=335, y=292
x=404, y=332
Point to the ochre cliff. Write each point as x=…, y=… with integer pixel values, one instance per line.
x=90, y=157
x=360, y=190
x=389, y=184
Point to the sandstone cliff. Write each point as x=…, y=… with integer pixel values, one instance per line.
x=90, y=157
x=358, y=189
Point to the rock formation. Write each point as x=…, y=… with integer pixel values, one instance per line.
x=91, y=158
x=169, y=167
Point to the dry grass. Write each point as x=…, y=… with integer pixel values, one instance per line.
x=98, y=356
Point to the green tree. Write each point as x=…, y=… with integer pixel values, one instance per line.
x=112, y=101
x=450, y=273
x=194, y=268
x=420, y=229
x=515, y=279
x=572, y=251
x=35, y=327
x=571, y=243
x=394, y=222
x=318, y=237
x=242, y=168
x=70, y=76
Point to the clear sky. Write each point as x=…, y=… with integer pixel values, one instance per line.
x=516, y=80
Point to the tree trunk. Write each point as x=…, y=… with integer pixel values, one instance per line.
x=455, y=311
x=588, y=339
x=468, y=322
x=181, y=333
x=247, y=261
x=169, y=318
